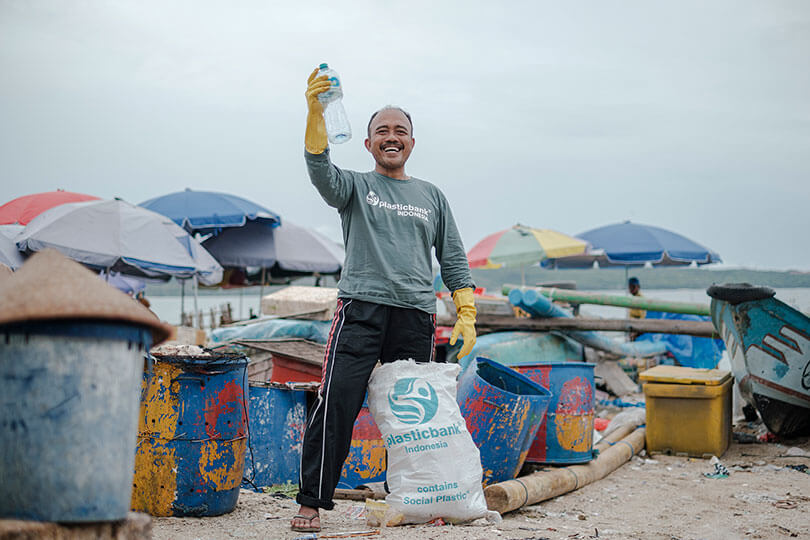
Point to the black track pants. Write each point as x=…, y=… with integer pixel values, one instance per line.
x=361, y=334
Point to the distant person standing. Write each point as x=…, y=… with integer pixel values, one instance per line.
x=634, y=287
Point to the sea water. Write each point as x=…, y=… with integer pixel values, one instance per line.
x=168, y=307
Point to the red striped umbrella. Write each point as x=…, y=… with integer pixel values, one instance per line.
x=23, y=209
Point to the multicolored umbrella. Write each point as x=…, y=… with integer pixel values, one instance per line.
x=522, y=246
x=23, y=209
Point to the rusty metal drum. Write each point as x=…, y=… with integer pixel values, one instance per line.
x=566, y=434
x=192, y=435
x=366, y=461
x=503, y=411
x=277, y=418
x=68, y=418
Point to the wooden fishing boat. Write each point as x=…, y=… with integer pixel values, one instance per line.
x=769, y=348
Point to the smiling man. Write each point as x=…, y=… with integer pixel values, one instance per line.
x=386, y=307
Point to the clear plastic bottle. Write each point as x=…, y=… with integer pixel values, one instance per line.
x=337, y=123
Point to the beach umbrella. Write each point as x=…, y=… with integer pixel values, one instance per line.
x=522, y=246
x=126, y=284
x=286, y=250
x=633, y=244
x=118, y=236
x=209, y=212
x=23, y=209
x=9, y=254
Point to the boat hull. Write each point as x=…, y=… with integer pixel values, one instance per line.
x=768, y=344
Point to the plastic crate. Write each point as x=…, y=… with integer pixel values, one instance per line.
x=688, y=410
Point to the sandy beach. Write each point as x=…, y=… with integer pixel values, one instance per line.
x=650, y=497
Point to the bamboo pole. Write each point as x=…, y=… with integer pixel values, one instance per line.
x=641, y=302
x=493, y=323
x=540, y=486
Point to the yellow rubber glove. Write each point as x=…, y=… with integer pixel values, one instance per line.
x=465, y=323
x=315, y=140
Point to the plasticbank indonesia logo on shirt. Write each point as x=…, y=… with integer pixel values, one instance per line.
x=404, y=210
x=413, y=400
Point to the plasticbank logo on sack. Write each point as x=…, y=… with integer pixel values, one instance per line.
x=413, y=401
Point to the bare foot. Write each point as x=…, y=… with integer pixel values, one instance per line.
x=306, y=520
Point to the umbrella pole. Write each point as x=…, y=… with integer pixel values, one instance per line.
x=182, y=300
x=194, y=283
x=261, y=291
x=624, y=285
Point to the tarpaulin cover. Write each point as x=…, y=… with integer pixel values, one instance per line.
x=317, y=331
x=689, y=351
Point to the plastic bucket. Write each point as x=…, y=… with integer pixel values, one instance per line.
x=503, y=410
x=277, y=418
x=566, y=434
x=69, y=419
x=192, y=436
x=366, y=461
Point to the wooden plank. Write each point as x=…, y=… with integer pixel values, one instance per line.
x=355, y=494
x=296, y=348
x=615, y=378
x=493, y=323
x=136, y=526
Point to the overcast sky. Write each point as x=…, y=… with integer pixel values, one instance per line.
x=689, y=115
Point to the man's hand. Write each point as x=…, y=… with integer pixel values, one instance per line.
x=315, y=139
x=465, y=323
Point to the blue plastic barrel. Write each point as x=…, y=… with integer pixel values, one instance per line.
x=566, y=434
x=503, y=410
x=192, y=435
x=69, y=396
x=277, y=418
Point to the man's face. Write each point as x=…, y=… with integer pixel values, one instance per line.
x=390, y=140
x=633, y=289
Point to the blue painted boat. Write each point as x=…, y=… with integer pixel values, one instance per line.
x=769, y=348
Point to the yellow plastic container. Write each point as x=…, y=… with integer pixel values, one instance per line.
x=688, y=410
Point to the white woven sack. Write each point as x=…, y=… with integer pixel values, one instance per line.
x=434, y=467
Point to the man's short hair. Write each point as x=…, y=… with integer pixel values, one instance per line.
x=633, y=281
x=389, y=108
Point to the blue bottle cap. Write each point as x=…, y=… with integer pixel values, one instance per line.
x=324, y=66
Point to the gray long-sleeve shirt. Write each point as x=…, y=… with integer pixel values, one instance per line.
x=390, y=227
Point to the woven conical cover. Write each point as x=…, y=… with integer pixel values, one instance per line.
x=5, y=273
x=50, y=286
